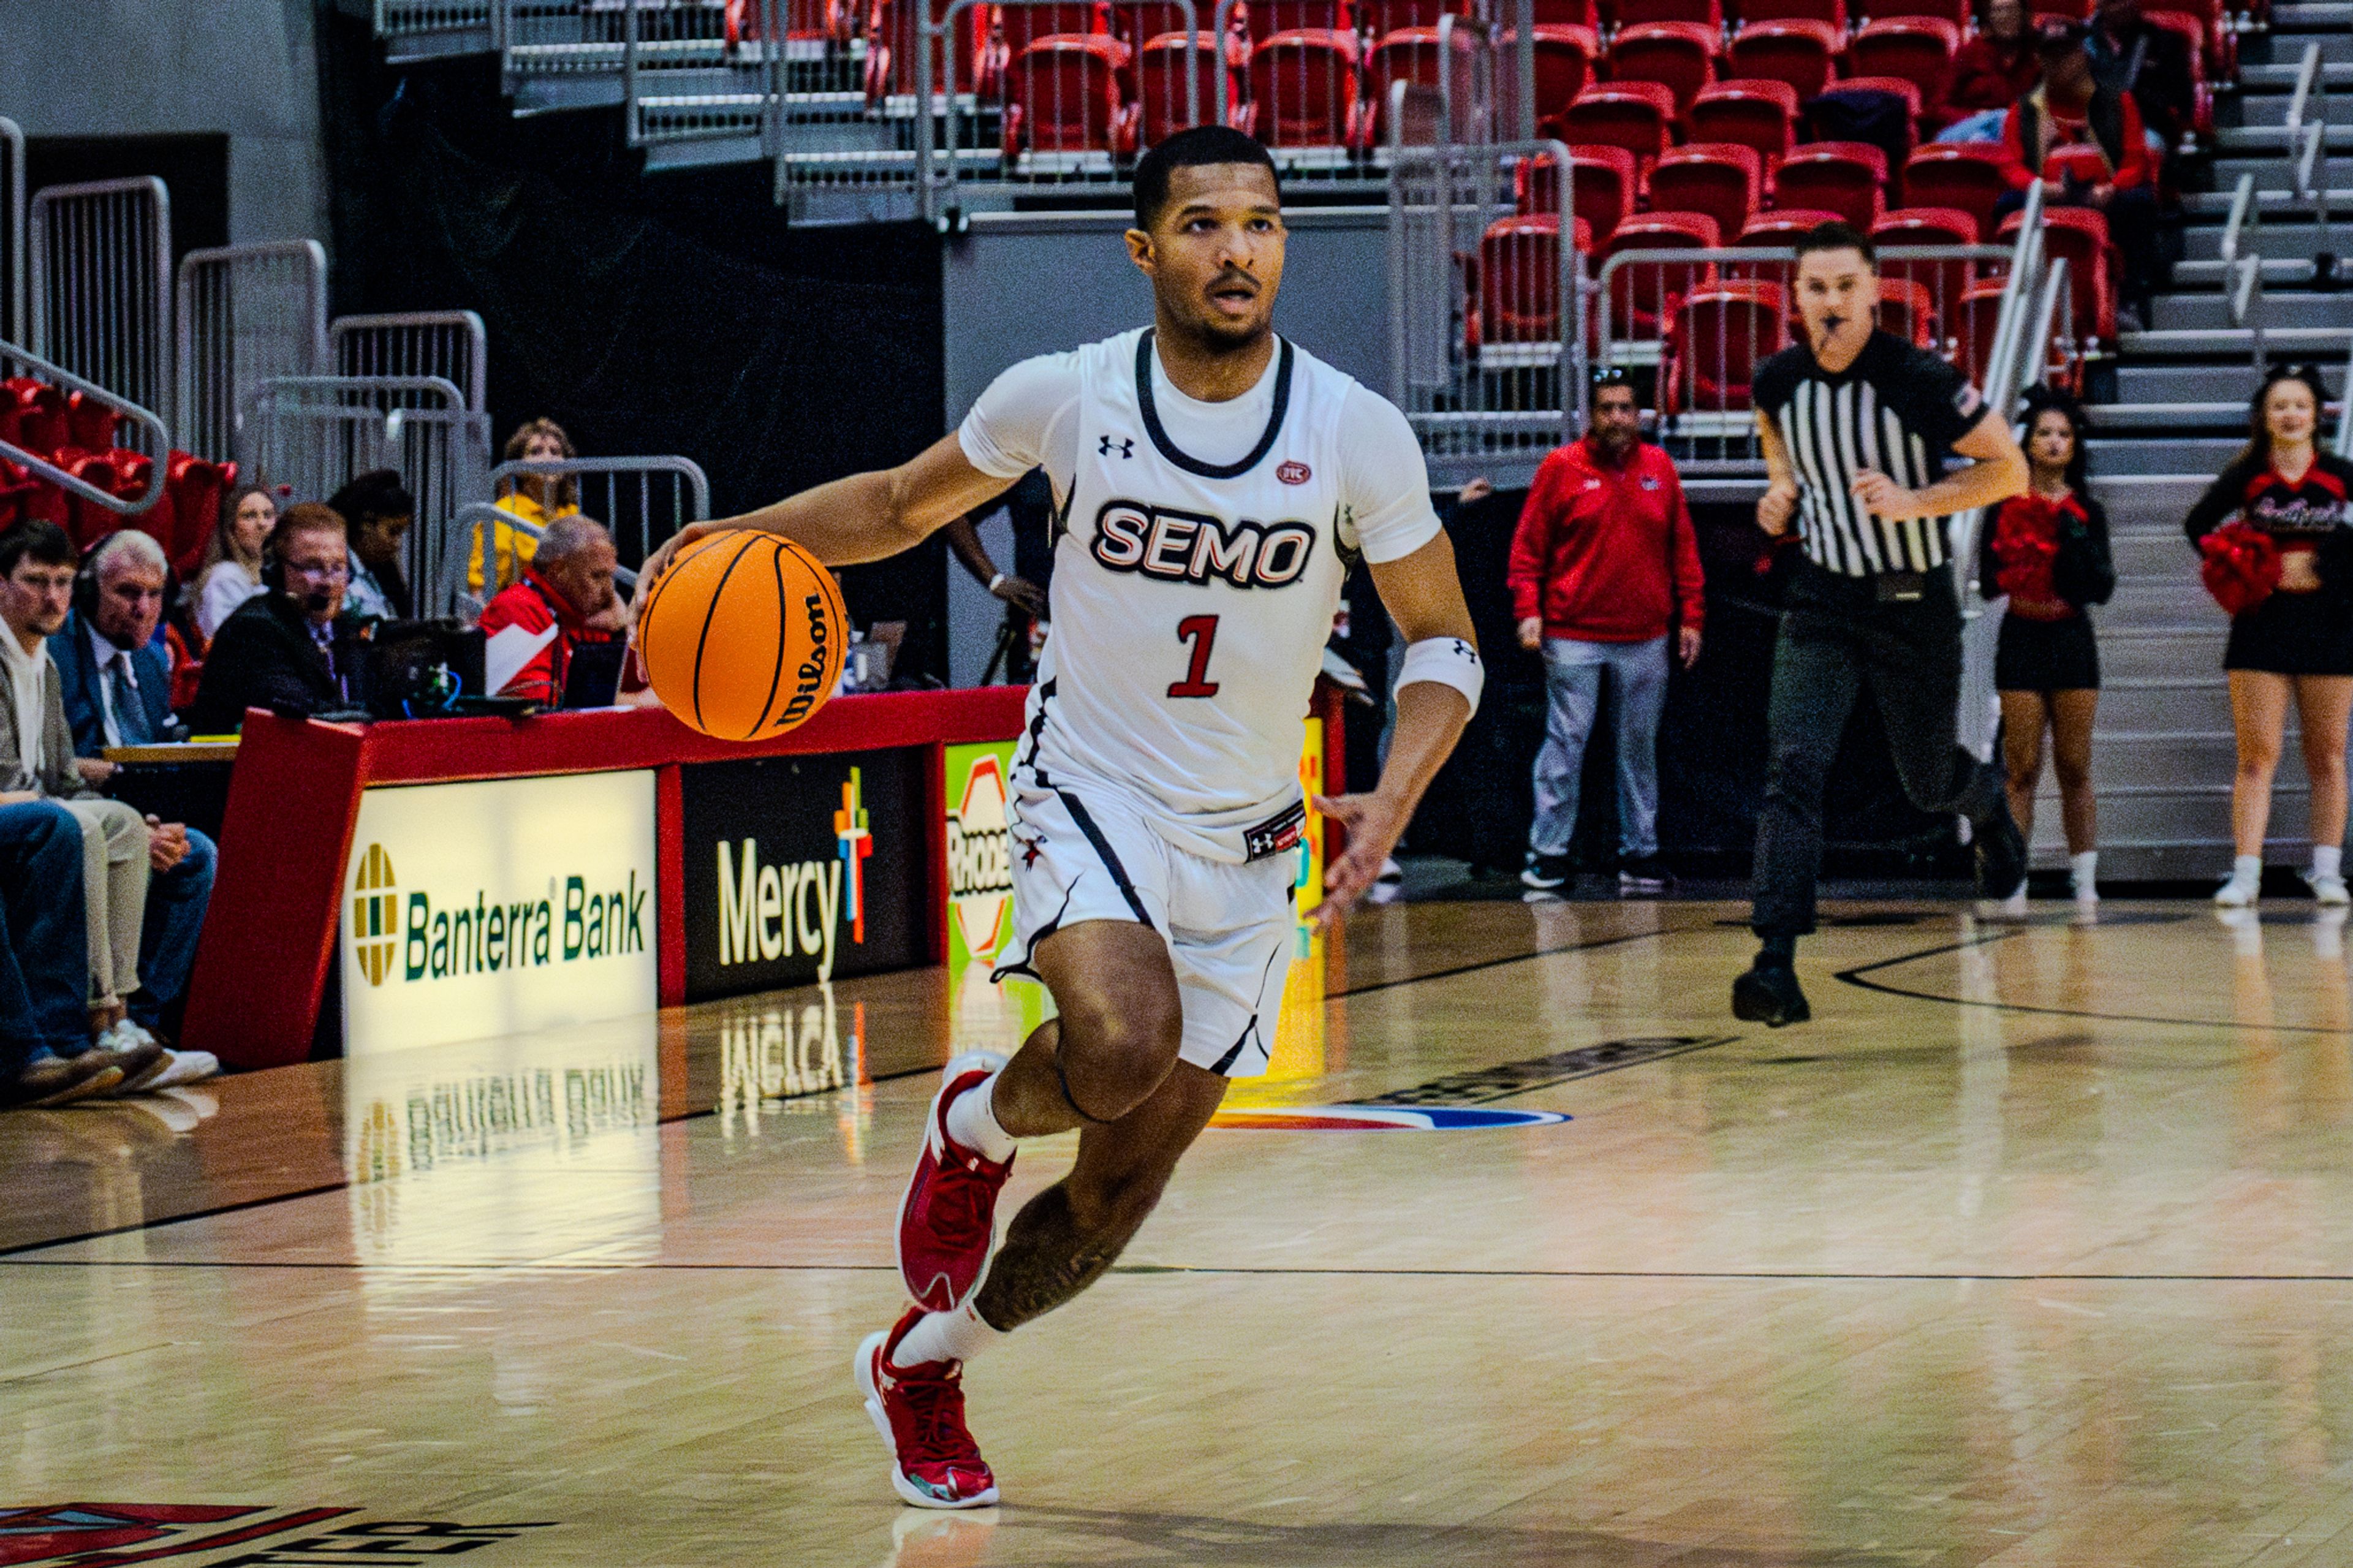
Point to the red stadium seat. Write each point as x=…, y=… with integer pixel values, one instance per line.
x=1776, y=230
x=1565, y=14
x=1797, y=52
x=1303, y=87
x=1973, y=324
x=1135, y=22
x=1849, y=178
x=37, y=412
x=1830, y=11
x=1409, y=54
x=804, y=20
x=1946, y=281
x=1919, y=49
x=1014, y=28
x=193, y=489
x=17, y=491
x=1383, y=18
x=1642, y=294
x=1957, y=12
x=117, y=471
x=1906, y=311
x=2073, y=10
x=1723, y=179
x=1680, y=55
x=1519, y=278
x=2196, y=39
x=1966, y=175
x=1756, y=113
x=1070, y=94
x=890, y=61
x=2081, y=236
x=1720, y=334
x=1636, y=115
x=1602, y=187
x=1160, y=83
x=91, y=425
x=1708, y=13
x=1263, y=20
x=1564, y=60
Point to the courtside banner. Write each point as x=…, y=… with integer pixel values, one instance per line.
x=980, y=853
x=498, y=907
x=803, y=869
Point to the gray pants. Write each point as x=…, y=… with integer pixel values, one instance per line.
x=114, y=884
x=1574, y=670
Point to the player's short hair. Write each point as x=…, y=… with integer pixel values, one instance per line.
x=128, y=544
x=1837, y=235
x=40, y=540
x=305, y=517
x=1194, y=148
x=568, y=536
x=1612, y=378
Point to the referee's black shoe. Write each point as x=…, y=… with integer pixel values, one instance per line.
x=1768, y=994
x=2001, y=854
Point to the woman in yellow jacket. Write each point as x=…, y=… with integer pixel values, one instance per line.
x=538, y=500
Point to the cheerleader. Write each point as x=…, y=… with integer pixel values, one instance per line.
x=2277, y=537
x=2049, y=552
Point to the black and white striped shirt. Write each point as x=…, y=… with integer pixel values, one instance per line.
x=1897, y=409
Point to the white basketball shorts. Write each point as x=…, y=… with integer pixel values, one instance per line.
x=1083, y=853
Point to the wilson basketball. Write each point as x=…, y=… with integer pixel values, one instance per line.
x=745, y=635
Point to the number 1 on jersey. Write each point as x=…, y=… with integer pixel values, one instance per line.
x=1202, y=631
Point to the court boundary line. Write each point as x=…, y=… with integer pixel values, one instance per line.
x=1486, y=963
x=1142, y=1270
x=1854, y=977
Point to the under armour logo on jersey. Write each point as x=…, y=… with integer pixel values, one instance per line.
x=1463, y=650
x=1126, y=448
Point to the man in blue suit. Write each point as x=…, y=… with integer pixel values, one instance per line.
x=117, y=691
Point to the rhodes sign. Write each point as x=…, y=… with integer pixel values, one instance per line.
x=498, y=907
x=802, y=869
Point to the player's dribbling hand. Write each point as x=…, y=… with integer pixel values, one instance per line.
x=1774, y=507
x=1882, y=497
x=667, y=552
x=1373, y=825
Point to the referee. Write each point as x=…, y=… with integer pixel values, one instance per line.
x=1858, y=427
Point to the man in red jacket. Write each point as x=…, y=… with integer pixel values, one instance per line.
x=1603, y=567
x=565, y=600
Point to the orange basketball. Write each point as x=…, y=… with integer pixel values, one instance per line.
x=745, y=634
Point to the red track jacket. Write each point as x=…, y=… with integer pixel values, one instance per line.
x=1593, y=551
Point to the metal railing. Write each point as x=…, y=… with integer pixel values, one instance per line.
x=2307, y=138
x=100, y=284
x=155, y=444
x=397, y=19
x=1486, y=302
x=451, y=344
x=475, y=526
x=315, y=434
x=643, y=501
x=12, y=325
x=2242, y=266
x=664, y=106
x=590, y=38
x=247, y=312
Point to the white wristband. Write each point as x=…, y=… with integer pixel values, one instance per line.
x=1448, y=661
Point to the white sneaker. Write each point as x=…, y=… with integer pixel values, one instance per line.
x=123, y=1034
x=2012, y=908
x=187, y=1067
x=2328, y=890
x=2086, y=892
x=2235, y=893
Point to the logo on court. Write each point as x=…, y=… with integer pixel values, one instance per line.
x=980, y=863
x=78, y=1531
x=375, y=917
x=1294, y=473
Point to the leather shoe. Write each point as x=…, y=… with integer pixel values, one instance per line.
x=60, y=1080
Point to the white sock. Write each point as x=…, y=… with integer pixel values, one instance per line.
x=2247, y=870
x=2328, y=860
x=2084, y=869
x=972, y=1122
x=956, y=1336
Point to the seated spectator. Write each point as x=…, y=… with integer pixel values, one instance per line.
x=119, y=848
x=114, y=677
x=376, y=510
x=537, y=498
x=1993, y=71
x=568, y=587
x=278, y=650
x=231, y=571
x=2068, y=124
x=2148, y=64
x=47, y=1056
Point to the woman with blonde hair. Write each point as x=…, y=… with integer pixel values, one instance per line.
x=231, y=570
x=2276, y=531
x=536, y=498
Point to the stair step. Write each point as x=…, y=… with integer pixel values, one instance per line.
x=2165, y=383
x=2278, y=205
x=2286, y=49
x=2168, y=416
x=2114, y=457
x=2289, y=15
x=2281, y=308
x=2224, y=342
x=2273, y=138
x=2271, y=241
x=2281, y=75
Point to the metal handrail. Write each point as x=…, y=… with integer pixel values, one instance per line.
x=2025, y=262
x=686, y=468
x=151, y=423
x=2311, y=97
x=480, y=514
x=12, y=285
x=2243, y=265
x=2345, y=414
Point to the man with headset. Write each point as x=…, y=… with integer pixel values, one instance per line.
x=278, y=651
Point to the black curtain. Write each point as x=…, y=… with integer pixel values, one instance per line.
x=663, y=313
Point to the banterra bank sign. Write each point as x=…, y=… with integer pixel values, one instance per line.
x=405, y=934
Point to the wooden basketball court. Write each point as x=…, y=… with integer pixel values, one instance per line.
x=2035, y=1249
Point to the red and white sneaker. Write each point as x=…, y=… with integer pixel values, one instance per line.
x=948, y=1221
x=919, y=1410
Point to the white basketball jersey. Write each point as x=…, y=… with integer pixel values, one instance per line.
x=1191, y=603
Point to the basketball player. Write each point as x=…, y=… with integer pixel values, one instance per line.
x=1212, y=482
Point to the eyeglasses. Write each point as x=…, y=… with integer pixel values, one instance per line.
x=320, y=572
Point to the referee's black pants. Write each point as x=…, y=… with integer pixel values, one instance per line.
x=1837, y=636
